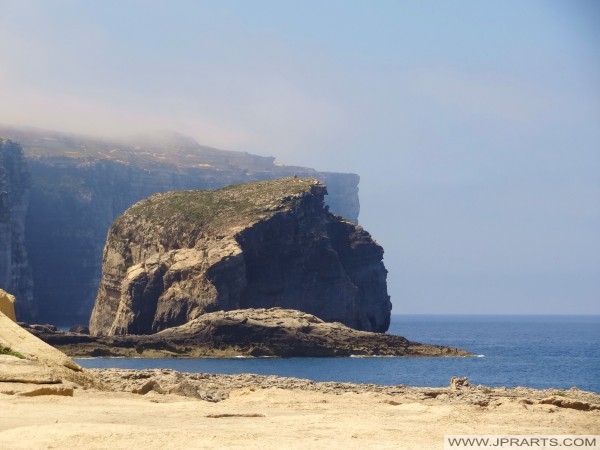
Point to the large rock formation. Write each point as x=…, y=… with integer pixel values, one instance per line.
x=175, y=256
x=79, y=185
x=15, y=271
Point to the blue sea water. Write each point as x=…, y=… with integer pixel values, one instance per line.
x=535, y=351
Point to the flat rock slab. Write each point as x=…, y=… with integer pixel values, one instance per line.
x=248, y=332
x=17, y=370
x=33, y=389
x=570, y=403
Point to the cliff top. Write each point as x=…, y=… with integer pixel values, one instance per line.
x=143, y=150
x=181, y=212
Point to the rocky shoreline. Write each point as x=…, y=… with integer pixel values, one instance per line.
x=48, y=401
x=217, y=387
x=274, y=332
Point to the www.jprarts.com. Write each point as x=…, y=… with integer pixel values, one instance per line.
x=521, y=442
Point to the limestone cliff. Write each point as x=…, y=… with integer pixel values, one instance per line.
x=80, y=184
x=15, y=272
x=175, y=256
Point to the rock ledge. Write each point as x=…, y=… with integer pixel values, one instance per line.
x=247, y=332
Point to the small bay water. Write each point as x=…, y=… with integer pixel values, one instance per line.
x=535, y=351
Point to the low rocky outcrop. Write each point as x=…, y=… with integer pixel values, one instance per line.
x=176, y=256
x=248, y=332
x=216, y=387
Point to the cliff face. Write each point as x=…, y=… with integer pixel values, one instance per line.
x=79, y=185
x=175, y=256
x=15, y=272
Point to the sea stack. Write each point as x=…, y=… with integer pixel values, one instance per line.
x=177, y=255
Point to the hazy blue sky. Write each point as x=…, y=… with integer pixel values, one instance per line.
x=474, y=125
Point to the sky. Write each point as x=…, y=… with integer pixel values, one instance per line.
x=474, y=126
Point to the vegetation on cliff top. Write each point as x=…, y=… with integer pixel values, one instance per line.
x=189, y=211
x=145, y=150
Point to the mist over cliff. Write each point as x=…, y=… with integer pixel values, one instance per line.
x=79, y=185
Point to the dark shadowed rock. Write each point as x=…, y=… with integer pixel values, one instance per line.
x=15, y=271
x=80, y=328
x=569, y=403
x=176, y=256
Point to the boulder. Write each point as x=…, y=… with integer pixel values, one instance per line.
x=457, y=383
x=7, y=302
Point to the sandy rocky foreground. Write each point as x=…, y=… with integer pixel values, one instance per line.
x=171, y=410
x=215, y=388
x=48, y=401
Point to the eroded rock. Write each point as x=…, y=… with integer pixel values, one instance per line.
x=176, y=256
x=569, y=403
x=32, y=365
x=249, y=332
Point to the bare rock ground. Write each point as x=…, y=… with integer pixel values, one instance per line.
x=171, y=410
x=215, y=387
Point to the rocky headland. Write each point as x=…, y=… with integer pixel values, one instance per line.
x=64, y=190
x=175, y=256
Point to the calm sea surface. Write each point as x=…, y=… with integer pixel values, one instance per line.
x=535, y=351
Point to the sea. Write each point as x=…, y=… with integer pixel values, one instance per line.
x=539, y=351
